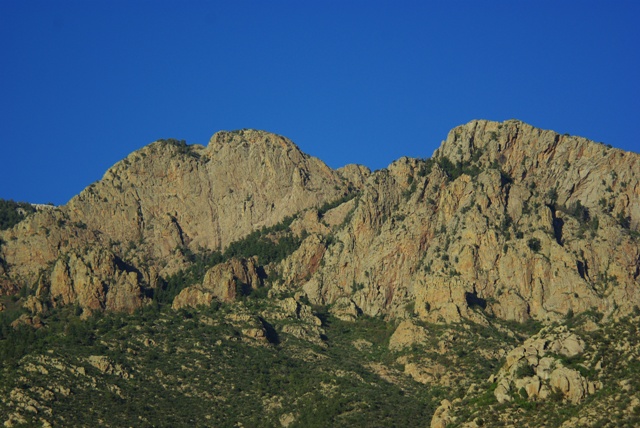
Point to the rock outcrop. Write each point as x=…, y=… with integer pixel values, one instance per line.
x=105, y=365
x=95, y=280
x=441, y=417
x=407, y=334
x=505, y=219
x=535, y=369
x=161, y=200
x=223, y=282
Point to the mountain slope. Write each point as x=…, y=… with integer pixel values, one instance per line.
x=159, y=202
x=521, y=222
x=496, y=283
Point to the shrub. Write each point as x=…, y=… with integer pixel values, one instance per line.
x=624, y=221
x=270, y=245
x=454, y=171
x=333, y=204
x=534, y=244
x=425, y=167
x=579, y=211
x=12, y=213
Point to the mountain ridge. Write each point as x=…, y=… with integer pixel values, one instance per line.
x=168, y=195
x=496, y=279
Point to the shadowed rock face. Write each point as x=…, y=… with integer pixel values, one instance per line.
x=505, y=220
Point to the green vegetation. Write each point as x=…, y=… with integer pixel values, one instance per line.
x=613, y=346
x=534, y=244
x=453, y=171
x=189, y=367
x=426, y=165
x=588, y=223
x=269, y=244
x=552, y=196
x=12, y=213
x=195, y=368
x=524, y=370
x=333, y=204
x=624, y=220
x=579, y=211
x=471, y=167
x=406, y=194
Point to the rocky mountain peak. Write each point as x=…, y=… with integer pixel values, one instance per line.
x=251, y=142
x=505, y=218
x=170, y=198
x=251, y=136
x=517, y=221
x=576, y=168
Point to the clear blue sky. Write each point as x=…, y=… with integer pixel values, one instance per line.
x=84, y=83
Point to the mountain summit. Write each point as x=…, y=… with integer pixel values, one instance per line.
x=521, y=221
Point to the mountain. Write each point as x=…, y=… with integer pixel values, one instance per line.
x=109, y=244
x=495, y=282
x=521, y=222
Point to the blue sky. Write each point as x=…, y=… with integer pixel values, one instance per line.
x=84, y=83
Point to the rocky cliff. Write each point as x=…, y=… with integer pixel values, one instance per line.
x=159, y=202
x=504, y=220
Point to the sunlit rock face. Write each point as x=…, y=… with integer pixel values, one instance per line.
x=163, y=201
x=504, y=220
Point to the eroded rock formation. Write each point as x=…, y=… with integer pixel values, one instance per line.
x=510, y=219
x=161, y=200
x=505, y=220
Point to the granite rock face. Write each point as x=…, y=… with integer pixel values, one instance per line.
x=161, y=200
x=536, y=368
x=96, y=280
x=504, y=220
x=223, y=282
x=406, y=335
